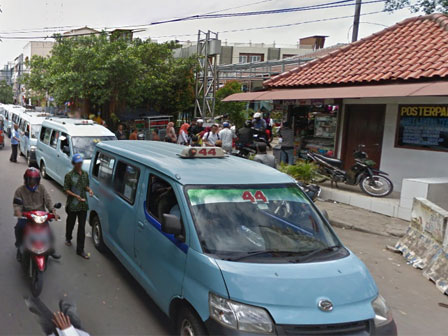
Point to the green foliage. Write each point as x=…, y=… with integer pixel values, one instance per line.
x=426, y=6
x=302, y=171
x=97, y=71
x=6, y=93
x=235, y=110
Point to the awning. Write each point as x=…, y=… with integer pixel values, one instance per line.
x=366, y=91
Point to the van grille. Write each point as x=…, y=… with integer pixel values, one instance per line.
x=351, y=328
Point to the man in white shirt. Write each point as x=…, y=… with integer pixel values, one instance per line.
x=226, y=136
x=209, y=139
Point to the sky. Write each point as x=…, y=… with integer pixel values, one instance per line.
x=18, y=17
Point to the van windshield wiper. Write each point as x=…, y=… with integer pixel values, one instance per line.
x=317, y=251
x=258, y=253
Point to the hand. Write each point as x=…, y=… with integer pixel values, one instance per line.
x=90, y=192
x=61, y=321
x=79, y=198
x=17, y=213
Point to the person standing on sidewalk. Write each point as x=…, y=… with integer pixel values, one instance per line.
x=76, y=185
x=287, y=144
x=15, y=138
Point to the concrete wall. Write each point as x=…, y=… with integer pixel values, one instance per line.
x=403, y=163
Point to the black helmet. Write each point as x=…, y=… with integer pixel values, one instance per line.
x=248, y=123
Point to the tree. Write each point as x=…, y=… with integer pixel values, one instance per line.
x=6, y=93
x=96, y=73
x=426, y=6
x=235, y=110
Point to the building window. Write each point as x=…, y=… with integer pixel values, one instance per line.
x=422, y=127
x=250, y=58
x=243, y=59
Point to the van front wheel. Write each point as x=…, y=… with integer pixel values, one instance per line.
x=189, y=324
x=97, y=235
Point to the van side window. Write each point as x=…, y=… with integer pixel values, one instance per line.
x=45, y=135
x=64, y=144
x=103, y=168
x=54, y=139
x=161, y=198
x=126, y=181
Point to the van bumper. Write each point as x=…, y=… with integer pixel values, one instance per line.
x=215, y=328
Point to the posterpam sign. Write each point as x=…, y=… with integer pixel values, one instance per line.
x=423, y=127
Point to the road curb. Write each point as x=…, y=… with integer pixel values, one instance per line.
x=343, y=225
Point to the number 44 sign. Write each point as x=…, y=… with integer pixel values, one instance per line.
x=259, y=196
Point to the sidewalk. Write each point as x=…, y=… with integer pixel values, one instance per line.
x=349, y=217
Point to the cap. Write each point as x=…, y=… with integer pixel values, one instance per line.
x=77, y=158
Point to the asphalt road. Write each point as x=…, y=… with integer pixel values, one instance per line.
x=111, y=302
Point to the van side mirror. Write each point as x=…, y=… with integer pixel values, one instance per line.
x=325, y=214
x=66, y=150
x=171, y=224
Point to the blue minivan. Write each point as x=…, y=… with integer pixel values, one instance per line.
x=227, y=246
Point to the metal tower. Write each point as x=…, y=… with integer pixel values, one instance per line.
x=208, y=49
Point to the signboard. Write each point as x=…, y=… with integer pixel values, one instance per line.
x=423, y=127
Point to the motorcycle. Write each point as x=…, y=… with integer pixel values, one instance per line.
x=372, y=181
x=312, y=190
x=36, y=246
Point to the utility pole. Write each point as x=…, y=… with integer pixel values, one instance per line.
x=356, y=20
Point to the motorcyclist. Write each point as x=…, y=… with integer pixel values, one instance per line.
x=245, y=135
x=259, y=123
x=33, y=196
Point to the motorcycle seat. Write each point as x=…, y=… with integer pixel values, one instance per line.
x=334, y=162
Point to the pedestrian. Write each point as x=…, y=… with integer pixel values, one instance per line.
x=286, y=135
x=120, y=134
x=263, y=157
x=209, y=139
x=155, y=135
x=183, y=138
x=170, y=133
x=76, y=186
x=133, y=135
x=65, y=322
x=226, y=135
x=195, y=141
x=15, y=139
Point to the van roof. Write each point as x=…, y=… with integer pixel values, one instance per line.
x=164, y=157
x=77, y=127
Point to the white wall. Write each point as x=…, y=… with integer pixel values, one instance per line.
x=403, y=163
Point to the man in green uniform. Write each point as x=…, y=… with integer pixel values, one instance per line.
x=76, y=185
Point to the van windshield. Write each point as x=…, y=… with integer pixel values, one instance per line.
x=86, y=145
x=271, y=221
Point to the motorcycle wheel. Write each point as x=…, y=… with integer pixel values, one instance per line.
x=37, y=282
x=376, y=186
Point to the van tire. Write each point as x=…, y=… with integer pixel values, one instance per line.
x=189, y=324
x=43, y=171
x=97, y=235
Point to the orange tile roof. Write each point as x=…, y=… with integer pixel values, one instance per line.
x=414, y=49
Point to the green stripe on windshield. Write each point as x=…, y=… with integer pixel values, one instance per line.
x=210, y=196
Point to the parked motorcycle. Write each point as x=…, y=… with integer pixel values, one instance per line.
x=36, y=246
x=312, y=190
x=372, y=181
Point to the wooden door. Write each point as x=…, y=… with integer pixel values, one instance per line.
x=363, y=124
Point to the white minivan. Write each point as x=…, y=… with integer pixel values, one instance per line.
x=29, y=128
x=60, y=138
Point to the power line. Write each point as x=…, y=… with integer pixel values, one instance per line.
x=235, y=30
x=328, y=5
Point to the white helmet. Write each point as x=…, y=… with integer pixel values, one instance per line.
x=257, y=115
x=200, y=121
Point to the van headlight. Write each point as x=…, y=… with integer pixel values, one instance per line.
x=239, y=316
x=383, y=315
